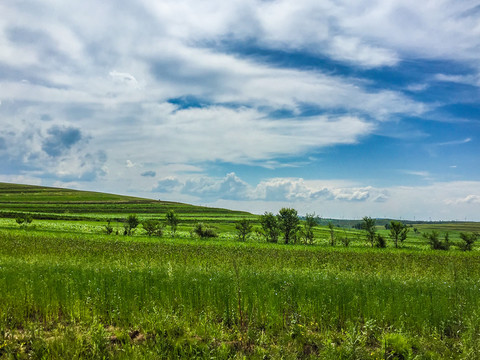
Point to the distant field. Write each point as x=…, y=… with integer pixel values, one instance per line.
x=68, y=290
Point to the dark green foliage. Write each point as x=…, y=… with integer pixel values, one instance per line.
x=270, y=227
x=369, y=227
x=435, y=242
x=468, y=240
x=172, y=220
x=131, y=224
x=345, y=239
x=311, y=221
x=108, y=228
x=398, y=232
x=332, y=233
x=288, y=223
x=380, y=241
x=243, y=227
x=23, y=219
x=203, y=231
x=153, y=227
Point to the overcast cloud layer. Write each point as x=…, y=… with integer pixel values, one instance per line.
x=370, y=108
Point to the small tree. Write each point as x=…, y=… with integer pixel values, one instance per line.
x=345, y=239
x=172, y=220
x=131, y=224
x=331, y=227
x=311, y=221
x=380, y=241
x=435, y=242
x=288, y=223
x=108, y=228
x=369, y=227
x=203, y=231
x=468, y=241
x=153, y=227
x=270, y=229
x=398, y=231
x=244, y=227
x=24, y=219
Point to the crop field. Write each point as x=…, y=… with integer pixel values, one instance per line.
x=69, y=291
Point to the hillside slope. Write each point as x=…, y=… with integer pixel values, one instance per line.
x=56, y=203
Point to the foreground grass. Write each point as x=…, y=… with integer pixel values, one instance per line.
x=66, y=296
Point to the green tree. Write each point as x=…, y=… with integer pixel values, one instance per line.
x=270, y=228
x=332, y=233
x=243, y=227
x=108, y=228
x=468, y=241
x=311, y=221
x=398, y=232
x=172, y=220
x=131, y=224
x=24, y=219
x=380, y=241
x=433, y=239
x=288, y=223
x=369, y=227
x=203, y=231
x=153, y=227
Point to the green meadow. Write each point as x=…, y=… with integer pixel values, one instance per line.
x=70, y=291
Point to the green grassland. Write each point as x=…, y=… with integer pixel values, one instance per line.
x=69, y=291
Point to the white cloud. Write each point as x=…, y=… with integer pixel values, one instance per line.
x=469, y=199
x=460, y=79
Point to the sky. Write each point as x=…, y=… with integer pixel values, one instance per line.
x=339, y=108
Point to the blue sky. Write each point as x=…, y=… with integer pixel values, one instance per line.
x=345, y=110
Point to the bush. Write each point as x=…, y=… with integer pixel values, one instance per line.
x=108, y=228
x=380, y=241
x=24, y=219
x=435, y=242
x=468, y=241
x=345, y=240
x=203, y=231
x=131, y=224
x=153, y=227
x=243, y=227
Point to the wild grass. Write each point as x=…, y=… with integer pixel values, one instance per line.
x=186, y=297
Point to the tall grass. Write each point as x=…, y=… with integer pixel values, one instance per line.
x=208, y=298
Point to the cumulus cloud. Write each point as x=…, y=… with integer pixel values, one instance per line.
x=231, y=187
x=60, y=139
x=166, y=185
x=469, y=199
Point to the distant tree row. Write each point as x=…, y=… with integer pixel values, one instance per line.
x=287, y=226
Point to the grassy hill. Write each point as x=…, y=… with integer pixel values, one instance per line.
x=57, y=204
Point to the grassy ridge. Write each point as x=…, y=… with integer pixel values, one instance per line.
x=59, y=204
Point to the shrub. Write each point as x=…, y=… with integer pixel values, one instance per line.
x=172, y=220
x=131, y=224
x=153, y=227
x=435, y=242
x=270, y=227
x=468, y=241
x=380, y=241
x=108, y=228
x=345, y=240
x=243, y=227
x=311, y=221
x=204, y=231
